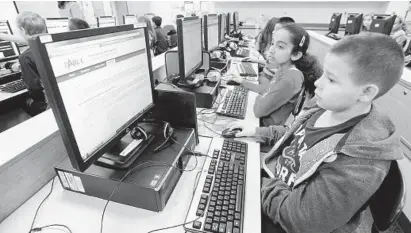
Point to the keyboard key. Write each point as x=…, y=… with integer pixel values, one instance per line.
x=197, y=224
x=236, y=230
x=229, y=228
x=214, y=227
x=207, y=227
x=221, y=228
x=199, y=212
x=237, y=223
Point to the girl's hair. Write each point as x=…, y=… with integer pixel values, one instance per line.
x=77, y=24
x=403, y=25
x=307, y=64
x=267, y=34
x=366, y=15
x=144, y=19
x=62, y=4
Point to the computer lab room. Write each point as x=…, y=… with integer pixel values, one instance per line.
x=205, y=116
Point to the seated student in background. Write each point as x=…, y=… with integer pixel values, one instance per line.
x=296, y=67
x=366, y=22
x=30, y=24
x=151, y=32
x=77, y=24
x=333, y=158
x=161, y=43
x=263, y=41
x=398, y=32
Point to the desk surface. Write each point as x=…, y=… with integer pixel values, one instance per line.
x=5, y=95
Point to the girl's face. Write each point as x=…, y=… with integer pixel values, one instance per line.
x=367, y=20
x=397, y=24
x=280, y=50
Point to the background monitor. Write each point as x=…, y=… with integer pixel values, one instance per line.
x=7, y=49
x=190, y=53
x=211, y=38
x=221, y=27
x=98, y=83
x=57, y=25
x=382, y=23
x=236, y=21
x=353, y=24
x=228, y=24
x=93, y=22
x=335, y=23
x=106, y=21
x=130, y=19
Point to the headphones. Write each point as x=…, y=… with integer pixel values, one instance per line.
x=213, y=76
x=139, y=133
x=300, y=101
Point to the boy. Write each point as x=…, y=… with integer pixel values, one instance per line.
x=30, y=24
x=333, y=158
x=161, y=43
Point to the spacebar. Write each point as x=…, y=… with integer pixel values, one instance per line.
x=239, y=198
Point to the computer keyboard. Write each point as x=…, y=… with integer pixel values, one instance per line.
x=234, y=102
x=243, y=43
x=218, y=201
x=246, y=69
x=13, y=86
x=243, y=52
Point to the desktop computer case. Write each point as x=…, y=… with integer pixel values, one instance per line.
x=148, y=187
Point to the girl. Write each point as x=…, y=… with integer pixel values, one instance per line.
x=277, y=98
x=399, y=30
x=366, y=22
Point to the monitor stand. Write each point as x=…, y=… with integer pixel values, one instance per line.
x=189, y=82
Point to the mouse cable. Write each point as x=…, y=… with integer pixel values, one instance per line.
x=174, y=226
x=37, y=229
x=151, y=164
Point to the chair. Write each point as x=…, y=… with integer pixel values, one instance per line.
x=167, y=28
x=387, y=202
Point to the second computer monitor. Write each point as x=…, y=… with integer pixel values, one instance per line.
x=7, y=49
x=190, y=51
x=106, y=21
x=382, y=24
x=236, y=21
x=335, y=23
x=129, y=19
x=211, y=34
x=228, y=24
x=57, y=25
x=222, y=27
x=353, y=24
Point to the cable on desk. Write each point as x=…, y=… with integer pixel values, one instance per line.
x=166, y=228
x=153, y=164
x=37, y=229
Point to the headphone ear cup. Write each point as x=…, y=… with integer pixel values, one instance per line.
x=138, y=133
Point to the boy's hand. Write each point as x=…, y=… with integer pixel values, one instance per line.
x=247, y=130
x=236, y=79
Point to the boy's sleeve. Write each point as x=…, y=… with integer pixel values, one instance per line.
x=278, y=94
x=326, y=201
x=259, y=88
x=271, y=134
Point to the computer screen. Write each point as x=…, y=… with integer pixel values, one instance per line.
x=222, y=27
x=93, y=22
x=382, y=23
x=228, y=24
x=7, y=49
x=211, y=38
x=189, y=45
x=353, y=24
x=57, y=25
x=130, y=19
x=98, y=84
x=236, y=21
x=335, y=23
x=106, y=21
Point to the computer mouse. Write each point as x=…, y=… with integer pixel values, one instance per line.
x=232, y=82
x=227, y=133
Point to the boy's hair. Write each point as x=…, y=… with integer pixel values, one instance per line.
x=307, y=64
x=267, y=34
x=31, y=22
x=375, y=58
x=77, y=24
x=157, y=20
x=285, y=20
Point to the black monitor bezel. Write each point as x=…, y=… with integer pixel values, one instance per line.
x=228, y=22
x=357, y=19
x=336, y=28
x=11, y=43
x=124, y=18
x=390, y=20
x=205, y=40
x=180, y=47
x=98, y=20
x=236, y=21
x=37, y=44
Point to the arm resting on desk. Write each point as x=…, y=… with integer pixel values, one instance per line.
x=13, y=38
x=258, y=88
x=271, y=134
x=327, y=200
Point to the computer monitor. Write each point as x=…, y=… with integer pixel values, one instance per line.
x=56, y=25
x=7, y=49
x=93, y=22
x=353, y=24
x=228, y=24
x=382, y=23
x=130, y=19
x=98, y=83
x=335, y=23
x=189, y=46
x=236, y=21
x=106, y=21
x=211, y=37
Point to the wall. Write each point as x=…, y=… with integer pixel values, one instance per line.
x=305, y=12
x=167, y=10
x=8, y=13
x=43, y=8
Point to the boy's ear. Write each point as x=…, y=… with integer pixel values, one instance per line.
x=296, y=56
x=369, y=93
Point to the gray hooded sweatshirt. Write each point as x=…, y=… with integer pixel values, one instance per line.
x=336, y=178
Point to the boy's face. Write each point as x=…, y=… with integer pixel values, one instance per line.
x=367, y=21
x=335, y=89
